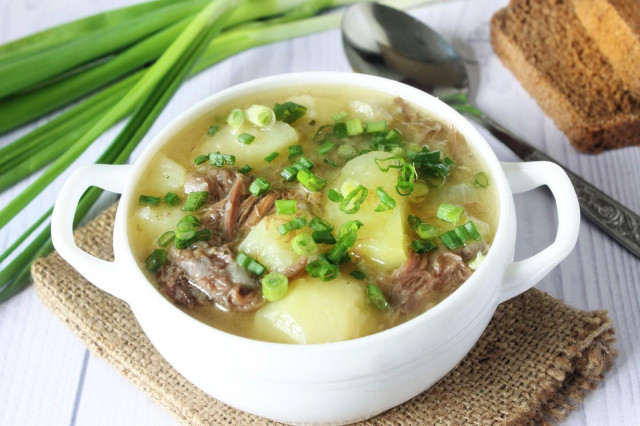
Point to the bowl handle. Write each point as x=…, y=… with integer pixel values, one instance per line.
x=522, y=275
x=100, y=272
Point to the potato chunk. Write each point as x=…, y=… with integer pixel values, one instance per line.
x=165, y=175
x=275, y=138
x=317, y=312
x=382, y=241
x=265, y=244
x=152, y=221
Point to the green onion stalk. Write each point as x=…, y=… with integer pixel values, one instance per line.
x=65, y=137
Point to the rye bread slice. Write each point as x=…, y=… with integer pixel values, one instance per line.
x=553, y=57
x=615, y=27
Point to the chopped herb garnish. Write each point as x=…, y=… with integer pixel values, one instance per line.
x=289, y=112
x=331, y=163
x=376, y=127
x=235, y=118
x=376, y=297
x=335, y=196
x=406, y=179
x=323, y=237
x=318, y=224
x=386, y=202
x=275, y=286
x=358, y=275
x=166, y=238
x=426, y=231
x=286, y=206
x=245, y=169
x=350, y=226
x=304, y=245
x=250, y=264
x=354, y=199
x=269, y=158
x=449, y=213
x=325, y=148
x=346, y=150
x=149, y=200
x=246, y=138
x=219, y=160
x=289, y=173
x=310, y=180
x=294, y=151
x=339, y=116
x=303, y=163
x=322, y=269
x=213, y=130
x=195, y=200
x=259, y=187
x=200, y=159
x=343, y=244
x=171, y=198
x=260, y=115
x=482, y=179
x=422, y=246
x=200, y=235
x=156, y=259
x=354, y=127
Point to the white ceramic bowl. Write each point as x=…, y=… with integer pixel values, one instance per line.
x=334, y=382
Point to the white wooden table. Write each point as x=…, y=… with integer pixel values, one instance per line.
x=48, y=377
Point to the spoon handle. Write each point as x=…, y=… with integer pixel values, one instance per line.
x=622, y=224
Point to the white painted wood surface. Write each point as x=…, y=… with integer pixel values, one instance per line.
x=47, y=376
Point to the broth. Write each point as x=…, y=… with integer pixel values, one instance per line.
x=205, y=280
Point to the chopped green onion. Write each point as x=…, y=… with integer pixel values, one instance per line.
x=376, y=297
x=213, y=130
x=346, y=150
x=422, y=246
x=386, y=202
x=322, y=269
x=218, y=160
x=335, y=196
x=250, y=264
x=318, y=224
x=386, y=141
x=269, y=158
x=189, y=219
x=166, y=238
x=449, y=213
x=289, y=173
x=350, y=226
x=343, y=244
x=195, y=200
x=340, y=130
x=475, y=263
x=426, y=231
x=289, y=112
x=323, y=237
x=325, y=148
x=245, y=169
x=148, y=199
x=275, y=286
x=399, y=163
x=354, y=127
x=184, y=231
x=304, y=244
x=286, y=206
x=200, y=235
x=156, y=259
x=414, y=221
x=451, y=240
x=339, y=116
x=406, y=179
x=473, y=231
x=171, y=198
x=235, y=118
x=259, y=187
x=358, y=275
x=463, y=234
x=200, y=159
x=260, y=115
x=292, y=225
x=310, y=180
x=482, y=179
x=324, y=133
x=331, y=163
x=354, y=200
x=376, y=126
x=398, y=152
x=294, y=151
x=303, y=163
x=246, y=138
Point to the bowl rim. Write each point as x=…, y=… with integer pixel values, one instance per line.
x=501, y=243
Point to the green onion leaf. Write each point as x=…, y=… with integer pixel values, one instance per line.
x=289, y=112
x=213, y=130
x=148, y=199
x=294, y=151
x=189, y=219
x=259, y=187
x=171, y=198
x=166, y=238
x=396, y=163
x=200, y=159
x=325, y=148
x=195, y=200
x=250, y=264
x=323, y=237
x=286, y=206
x=422, y=246
x=376, y=297
x=156, y=259
x=200, y=235
x=350, y=226
x=331, y=163
x=218, y=160
x=318, y=224
x=354, y=127
x=346, y=150
x=303, y=163
x=482, y=179
x=246, y=138
x=310, y=180
x=339, y=116
x=340, y=130
x=449, y=213
x=275, y=286
x=354, y=199
x=260, y=115
x=235, y=118
x=245, y=169
x=322, y=269
x=358, y=275
x=471, y=229
x=335, y=196
x=343, y=244
x=376, y=127
x=406, y=179
x=269, y=158
x=426, y=231
x=386, y=202
x=463, y=234
x=451, y=240
x=304, y=244
x=292, y=225
x=289, y=173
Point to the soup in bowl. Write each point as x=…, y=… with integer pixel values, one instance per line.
x=316, y=240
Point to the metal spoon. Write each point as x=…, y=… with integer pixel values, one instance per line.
x=383, y=41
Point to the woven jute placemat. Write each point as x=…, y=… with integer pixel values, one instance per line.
x=534, y=363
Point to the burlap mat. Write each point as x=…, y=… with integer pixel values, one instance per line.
x=534, y=363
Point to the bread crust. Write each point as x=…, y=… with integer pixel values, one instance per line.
x=615, y=26
x=544, y=45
